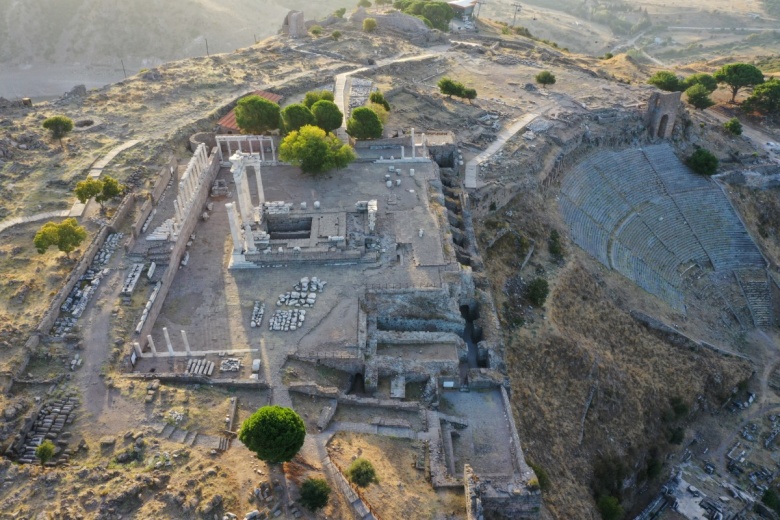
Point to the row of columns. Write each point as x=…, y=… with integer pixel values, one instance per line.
x=168, y=344
x=190, y=183
x=249, y=139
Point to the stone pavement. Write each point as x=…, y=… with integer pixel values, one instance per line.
x=33, y=218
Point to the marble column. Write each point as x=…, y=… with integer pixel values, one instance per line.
x=250, y=239
x=168, y=340
x=242, y=188
x=234, y=228
x=151, y=345
x=414, y=150
x=186, y=342
x=260, y=192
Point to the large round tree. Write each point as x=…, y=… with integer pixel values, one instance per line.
x=314, y=150
x=739, y=75
x=327, y=115
x=295, y=116
x=257, y=115
x=274, y=433
x=364, y=124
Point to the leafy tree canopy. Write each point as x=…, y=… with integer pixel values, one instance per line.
x=339, y=13
x=733, y=126
x=111, y=189
x=364, y=3
x=257, y=115
x=436, y=14
x=538, y=290
x=470, y=93
x=765, y=98
x=295, y=116
x=666, y=80
x=327, y=115
x=703, y=162
x=739, y=75
x=313, y=96
x=364, y=124
x=610, y=508
x=369, y=25
x=699, y=96
x=274, y=433
x=362, y=473
x=379, y=98
x=314, y=493
x=314, y=150
x=66, y=235
x=87, y=189
x=58, y=126
x=45, y=451
x=545, y=78
x=450, y=88
x=700, y=79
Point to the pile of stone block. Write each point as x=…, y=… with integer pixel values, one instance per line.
x=230, y=365
x=287, y=320
x=82, y=292
x=220, y=188
x=132, y=279
x=50, y=424
x=277, y=207
x=257, y=314
x=148, y=306
x=304, y=293
x=200, y=367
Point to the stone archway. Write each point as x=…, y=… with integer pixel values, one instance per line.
x=662, y=125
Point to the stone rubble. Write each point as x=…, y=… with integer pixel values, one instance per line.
x=257, y=314
x=79, y=297
x=132, y=279
x=230, y=365
x=304, y=295
x=287, y=320
x=49, y=424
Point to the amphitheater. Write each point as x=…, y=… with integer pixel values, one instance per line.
x=643, y=213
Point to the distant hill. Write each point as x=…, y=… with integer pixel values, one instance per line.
x=54, y=42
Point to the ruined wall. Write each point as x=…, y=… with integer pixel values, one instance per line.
x=163, y=178
x=187, y=227
x=662, y=114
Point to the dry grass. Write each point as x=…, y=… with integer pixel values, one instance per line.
x=402, y=491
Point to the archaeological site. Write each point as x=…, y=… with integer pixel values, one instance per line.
x=520, y=297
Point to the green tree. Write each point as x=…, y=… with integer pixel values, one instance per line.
x=470, y=94
x=699, y=97
x=700, y=79
x=554, y=245
x=295, y=116
x=327, y=115
x=666, y=80
x=313, y=96
x=45, y=451
x=274, y=433
x=87, y=189
x=439, y=14
x=733, y=126
x=314, y=493
x=379, y=110
x=703, y=162
x=538, y=290
x=59, y=127
x=765, y=98
x=379, y=98
x=610, y=508
x=362, y=473
x=450, y=88
x=545, y=78
x=771, y=499
x=111, y=189
x=335, y=35
x=364, y=3
x=339, y=13
x=314, y=150
x=739, y=75
x=66, y=235
x=257, y=115
x=316, y=30
x=364, y=124
x=369, y=25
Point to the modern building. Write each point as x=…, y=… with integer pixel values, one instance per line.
x=464, y=8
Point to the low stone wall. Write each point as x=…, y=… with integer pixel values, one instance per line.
x=140, y=219
x=187, y=227
x=166, y=377
x=163, y=178
x=525, y=471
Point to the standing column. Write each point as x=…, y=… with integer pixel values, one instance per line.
x=186, y=342
x=260, y=192
x=185, y=192
x=414, y=151
x=177, y=209
x=151, y=345
x=273, y=150
x=424, y=152
x=250, y=239
x=137, y=348
x=403, y=153
x=168, y=341
x=242, y=192
x=234, y=229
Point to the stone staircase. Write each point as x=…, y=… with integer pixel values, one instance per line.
x=193, y=438
x=755, y=286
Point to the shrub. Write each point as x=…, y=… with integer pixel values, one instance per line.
x=554, y=245
x=700, y=79
x=274, y=433
x=45, y=451
x=379, y=98
x=339, y=13
x=545, y=78
x=765, y=98
x=677, y=435
x=610, y=508
x=608, y=56
x=703, y=162
x=450, y=88
x=316, y=30
x=541, y=476
x=380, y=111
x=538, y=290
x=369, y=25
x=364, y=3
x=314, y=493
x=470, y=94
x=771, y=500
x=362, y=473
x=335, y=35
x=733, y=126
